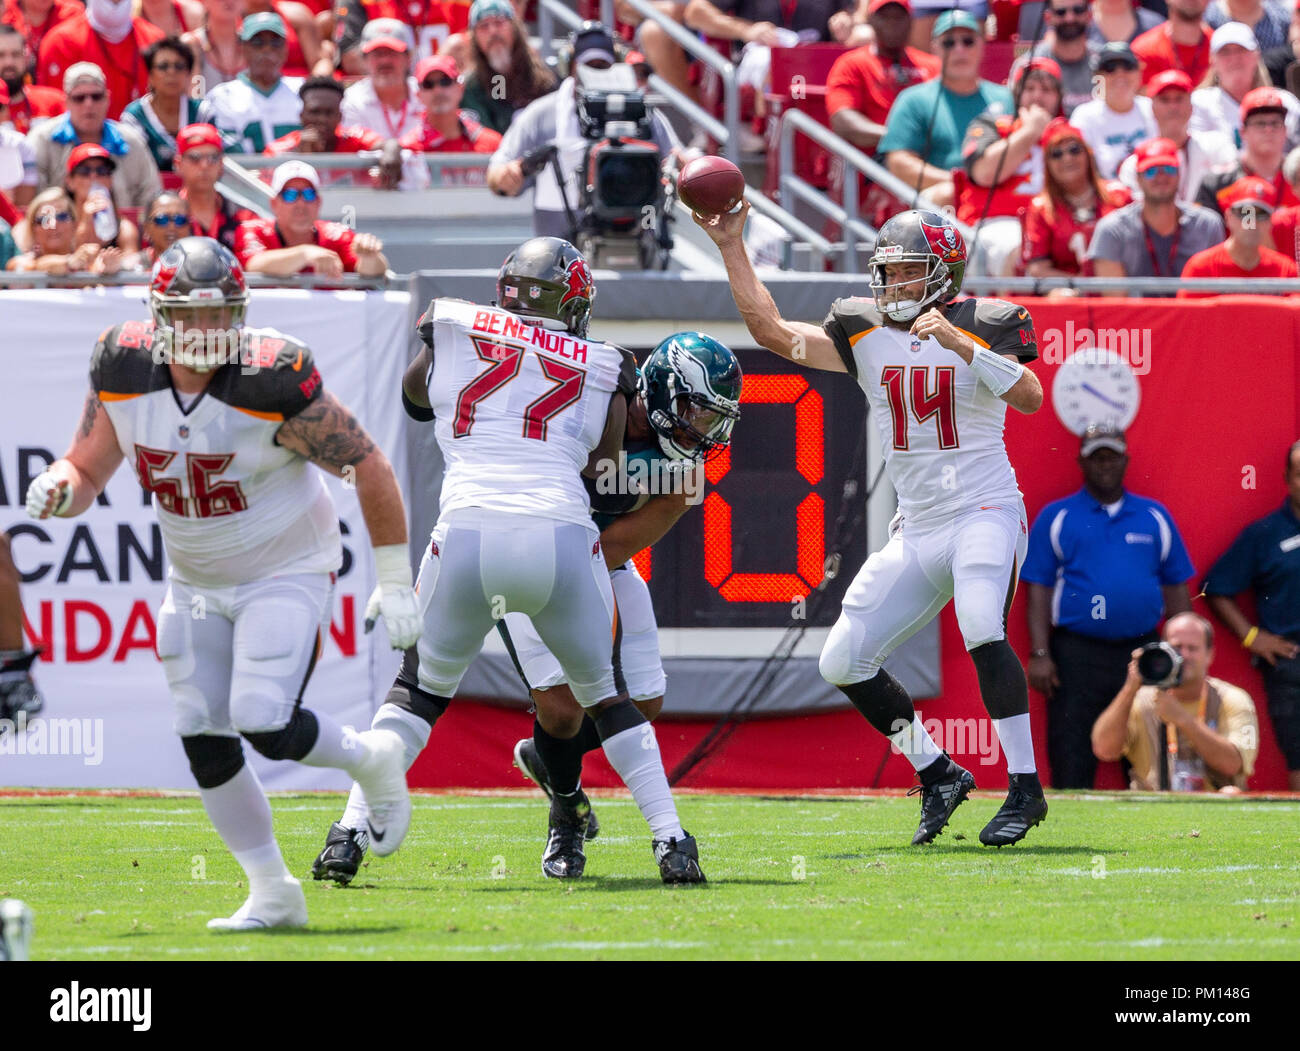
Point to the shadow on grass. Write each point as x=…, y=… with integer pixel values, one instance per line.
x=969, y=849
x=311, y=932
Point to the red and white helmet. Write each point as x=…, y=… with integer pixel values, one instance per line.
x=918, y=237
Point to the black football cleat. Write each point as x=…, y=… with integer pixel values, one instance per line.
x=679, y=859
x=18, y=693
x=1025, y=807
x=565, y=857
x=531, y=766
x=341, y=858
x=940, y=798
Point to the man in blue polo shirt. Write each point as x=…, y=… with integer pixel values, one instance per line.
x=1266, y=557
x=927, y=122
x=1104, y=567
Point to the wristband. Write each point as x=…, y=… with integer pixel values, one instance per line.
x=997, y=373
x=1250, y=637
x=393, y=565
x=1039, y=653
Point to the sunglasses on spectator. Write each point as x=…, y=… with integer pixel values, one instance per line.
x=170, y=67
x=429, y=83
x=201, y=158
x=1073, y=150
x=1271, y=124
x=1115, y=67
x=175, y=220
x=307, y=193
x=948, y=43
x=90, y=96
x=1247, y=211
x=98, y=171
x=1159, y=169
x=1077, y=10
x=47, y=218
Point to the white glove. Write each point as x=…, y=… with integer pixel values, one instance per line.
x=394, y=598
x=48, y=495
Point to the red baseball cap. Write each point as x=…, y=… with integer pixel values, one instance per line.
x=1170, y=78
x=1262, y=99
x=194, y=135
x=1154, y=152
x=876, y=5
x=1248, y=190
x=88, y=151
x=1047, y=65
x=1060, y=128
x=436, y=64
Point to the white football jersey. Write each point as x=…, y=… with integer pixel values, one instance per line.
x=244, y=112
x=940, y=428
x=233, y=505
x=519, y=409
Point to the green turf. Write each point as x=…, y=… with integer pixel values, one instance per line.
x=1106, y=877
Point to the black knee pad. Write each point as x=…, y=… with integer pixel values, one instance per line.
x=407, y=695
x=213, y=760
x=1003, y=685
x=618, y=717
x=293, y=742
x=882, y=701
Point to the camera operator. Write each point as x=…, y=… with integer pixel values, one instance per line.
x=553, y=120
x=1183, y=731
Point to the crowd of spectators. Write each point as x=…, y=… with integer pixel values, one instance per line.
x=1064, y=166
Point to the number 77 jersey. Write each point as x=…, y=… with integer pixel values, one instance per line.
x=940, y=428
x=519, y=409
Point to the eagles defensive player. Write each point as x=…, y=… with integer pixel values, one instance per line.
x=938, y=377
x=220, y=423
x=686, y=403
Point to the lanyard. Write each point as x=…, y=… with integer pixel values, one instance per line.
x=1202, y=51
x=1173, y=251
x=393, y=131
x=787, y=12
x=1171, y=734
x=215, y=228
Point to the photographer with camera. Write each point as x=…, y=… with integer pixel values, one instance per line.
x=593, y=152
x=1103, y=567
x=1180, y=729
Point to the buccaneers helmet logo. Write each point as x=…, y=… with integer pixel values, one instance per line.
x=578, y=277
x=944, y=242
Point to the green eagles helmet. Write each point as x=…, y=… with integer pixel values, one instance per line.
x=546, y=277
x=690, y=386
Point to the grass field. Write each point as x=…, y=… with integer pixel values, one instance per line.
x=1117, y=877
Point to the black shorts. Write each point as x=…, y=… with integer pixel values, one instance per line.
x=1282, y=684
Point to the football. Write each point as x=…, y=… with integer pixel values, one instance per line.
x=711, y=185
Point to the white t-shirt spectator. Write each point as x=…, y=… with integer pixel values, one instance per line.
x=252, y=117
x=1203, y=151
x=1112, y=136
x=17, y=159
x=1213, y=109
x=362, y=109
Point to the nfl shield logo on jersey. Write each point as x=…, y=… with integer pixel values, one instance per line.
x=184, y=430
x=915, y=348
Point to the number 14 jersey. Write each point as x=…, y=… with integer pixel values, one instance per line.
x=519, y=409
x=941, y=429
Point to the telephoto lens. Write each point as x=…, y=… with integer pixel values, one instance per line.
x=1160, y=665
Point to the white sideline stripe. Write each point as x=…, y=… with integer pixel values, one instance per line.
x=1146, y=871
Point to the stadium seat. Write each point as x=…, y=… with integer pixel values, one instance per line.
x=798, y=81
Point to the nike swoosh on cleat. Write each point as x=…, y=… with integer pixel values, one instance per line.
x=375, y=834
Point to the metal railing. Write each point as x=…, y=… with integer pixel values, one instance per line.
x=726, y=131
x=855, y=162
x=21, y=279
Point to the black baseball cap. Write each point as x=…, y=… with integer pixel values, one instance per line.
x=1115, y=53
x=592, y=40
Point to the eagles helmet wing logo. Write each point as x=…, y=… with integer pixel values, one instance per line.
x=578, y=277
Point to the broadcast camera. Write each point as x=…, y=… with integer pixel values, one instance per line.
x=624, y=195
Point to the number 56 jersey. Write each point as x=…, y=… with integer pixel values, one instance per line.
x=519, y=409
x=233, y=505
x=941, y=429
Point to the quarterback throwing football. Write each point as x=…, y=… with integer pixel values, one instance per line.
x=220, y=423
x=938, y=378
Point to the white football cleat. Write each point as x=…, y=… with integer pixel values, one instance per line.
x=281, y=904
x=383, y=781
